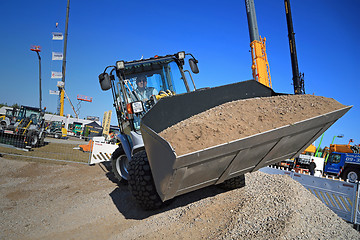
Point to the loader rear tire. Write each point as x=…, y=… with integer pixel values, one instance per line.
x=233, y=183
x=141, y=183
x=120, y=165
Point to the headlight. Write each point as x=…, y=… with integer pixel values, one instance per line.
x=135, y=107
x=181, y=55
x=120, y=65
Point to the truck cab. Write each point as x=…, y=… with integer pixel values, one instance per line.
x=344, y=165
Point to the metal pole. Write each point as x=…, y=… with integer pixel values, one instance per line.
x=298, y=85
x=252, y=22
x=317, y=150
x=64, y=60
x=40, y=98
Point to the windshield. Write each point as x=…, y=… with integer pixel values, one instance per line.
x=334, y=158
x=10, y=113
x=161, y=76
x=142, y=80
x=34, y=116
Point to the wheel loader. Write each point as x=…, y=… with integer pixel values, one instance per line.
x=155, y=173
x=27, y=131
x=8, y=118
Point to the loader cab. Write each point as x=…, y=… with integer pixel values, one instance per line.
x=161, y=78
x=36, y=115
x=164, y=77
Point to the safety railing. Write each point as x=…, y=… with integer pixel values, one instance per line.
x=341, y=197
x=67, y=149
x=101, y=150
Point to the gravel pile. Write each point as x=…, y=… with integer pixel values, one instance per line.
x=269, y=207
x=67, y=201
x=242, y=118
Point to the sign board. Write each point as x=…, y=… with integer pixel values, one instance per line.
x=106, y=122
x=56, y=75
x=54, y=92
x=92, y=118
x=57, y=56
x=57, y=36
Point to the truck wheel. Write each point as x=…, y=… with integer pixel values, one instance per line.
x=120, y=165
x=141, y=183
x=352, y=174
x=233, y=183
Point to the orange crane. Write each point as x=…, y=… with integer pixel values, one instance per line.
x=260, y=65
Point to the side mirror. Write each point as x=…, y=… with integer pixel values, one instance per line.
x=104, y=81
x=193, y=65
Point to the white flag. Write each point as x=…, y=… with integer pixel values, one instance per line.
x=57, y=56
x=57, y=36
x=56, y=74
x=54, y=92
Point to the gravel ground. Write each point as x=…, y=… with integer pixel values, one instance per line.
x=69, y=201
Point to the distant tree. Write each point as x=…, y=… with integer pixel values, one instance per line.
x=15, y=105
x=7, y=105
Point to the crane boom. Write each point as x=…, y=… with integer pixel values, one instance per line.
x=298, y=78
x=77, y=116
x=260, y=65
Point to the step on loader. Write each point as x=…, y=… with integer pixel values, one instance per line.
x=153, y=94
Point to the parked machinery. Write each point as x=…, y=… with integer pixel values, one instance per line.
x=8, y=118
x=28, y=130
x=343, y=161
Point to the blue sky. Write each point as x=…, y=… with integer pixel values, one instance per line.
x=215, y=32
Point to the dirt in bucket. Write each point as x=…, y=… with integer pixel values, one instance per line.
x=242, y=118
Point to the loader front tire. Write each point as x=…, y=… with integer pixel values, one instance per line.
x=120, y=165
x=34, y=139
x=233, y=183
x=141, y=183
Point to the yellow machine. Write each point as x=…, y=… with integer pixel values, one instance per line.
x=260, y=65
x=341, y=148
x=310, y=150
x=344, y=148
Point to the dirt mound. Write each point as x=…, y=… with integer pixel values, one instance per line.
x=242, y=118
x=269, y=207
x=68, y=201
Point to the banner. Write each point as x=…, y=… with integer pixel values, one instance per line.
x=56, y=74
x=54, y=92
x=106, y=122
x=57, y=56
x=57, y=36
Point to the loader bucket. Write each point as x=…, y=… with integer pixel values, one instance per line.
x=175, y=175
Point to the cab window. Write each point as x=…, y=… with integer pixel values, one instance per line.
x=334, y=158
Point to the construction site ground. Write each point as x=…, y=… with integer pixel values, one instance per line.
x=51, y=200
